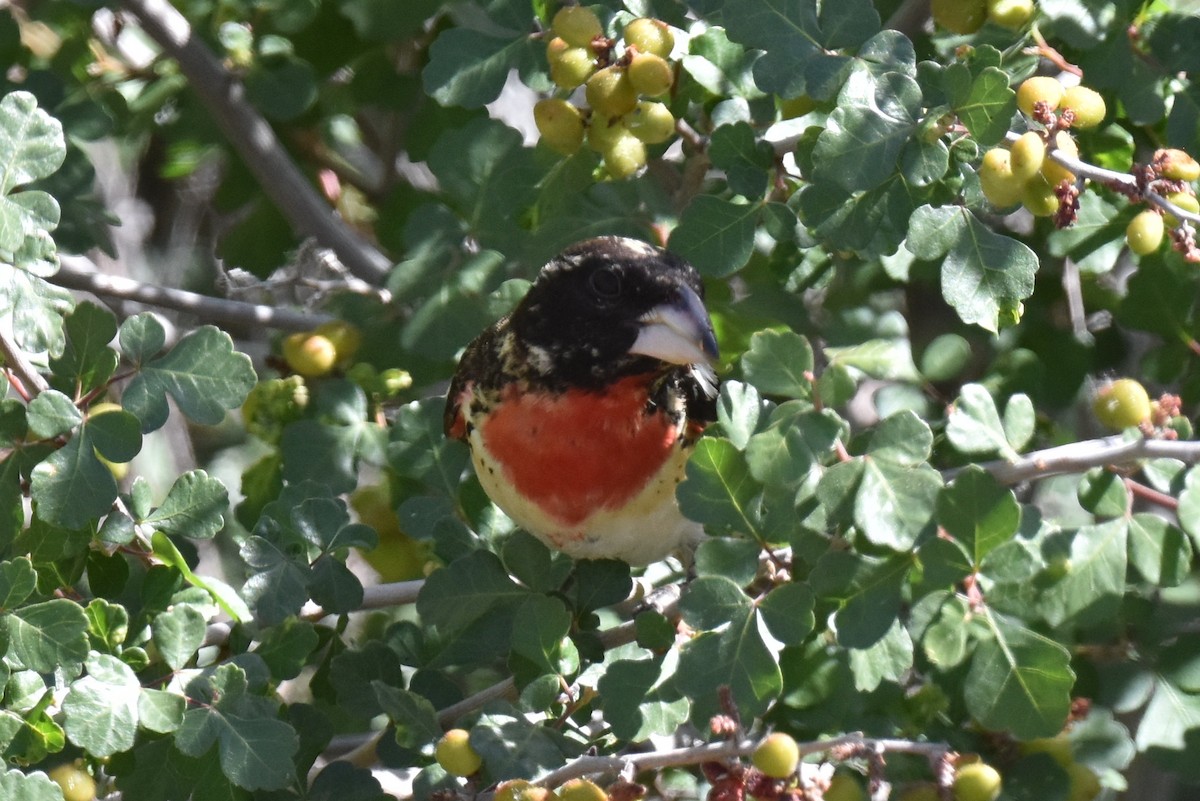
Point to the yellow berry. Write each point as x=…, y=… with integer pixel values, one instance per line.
x=603, y=130
x=569, y=66
x=309, y=354
x=959, y=16
x=75, y=782
x=1185, y=201
x=1087, y=104
x=455, y=754
x=560, y=124
x=1121, y=404
x=977, y=781
x=650, y=75
x=1011, y=14
x=578, y=25
x=1176, y=165
x=1054, y=172
x=1039, y=197
x=1145, y=232
x=777, y=755
x=1027, y=155
x=610, y=92
x=346, y=339
x=507, y=791
x=996, y=178
x=1058, y=747
x=651, y=122
x=581, y=790
x=649, y=36
x=1039, y=87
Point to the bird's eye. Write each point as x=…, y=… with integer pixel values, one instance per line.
x=605, y=283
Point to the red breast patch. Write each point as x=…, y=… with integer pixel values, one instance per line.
x=576, y=452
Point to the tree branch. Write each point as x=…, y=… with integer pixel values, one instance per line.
x=79, y=273
x=19, y=366
x=1078, y=457
x=251, y=135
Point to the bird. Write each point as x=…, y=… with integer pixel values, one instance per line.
x=581, y=406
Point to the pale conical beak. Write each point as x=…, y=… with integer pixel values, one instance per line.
x=679, y=331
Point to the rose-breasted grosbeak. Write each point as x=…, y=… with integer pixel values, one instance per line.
x=581, y=406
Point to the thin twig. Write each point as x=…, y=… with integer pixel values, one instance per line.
x=21, y=367
x=251, y=135
x=75, y=274
x=1078, y=457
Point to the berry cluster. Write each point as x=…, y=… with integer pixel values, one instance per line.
x=1170, y=174
x=967, y=16
x=1024, y=173
x=621, y=117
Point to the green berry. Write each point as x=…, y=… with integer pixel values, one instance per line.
x=309, y=354
x=1145, y=232
x=651, y=122
x=1011, y=14
x=1121, y=404
x=560, y=124
x=569, y=66
x=1039, y=197
x=1185, y=201
x=977, y=781
x=959, y=16
x=625, y=155
x=1054, y=172
x=610, y=92
x=844, y=787
x=1084, y=784
x=777, y=755
x=578, y=25
x=650, y=75
x=649, y=36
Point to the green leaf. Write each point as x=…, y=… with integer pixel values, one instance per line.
x=72, y=487
x=360, y=675
x=798, y=39
x=141, y=337
x=864, y=136
x=179, y=633
x=415, y=718
x=282, y=87
x=974, y=426
x=779, y=363
x=101, y=709
x=116, y=435
x=945, y=629
x=540, y=644
x=202, y=374
x=465, y=590
x=711, y=600
x=867, y=590
x=1094, y=584
x=17, y=582
x=1170, y=719
x=194, y=507
x=18, y=786
x=468, y=68
x=512, y=746
x=788, y=612
x=716, y=235
x=886, y=660
x=31, y=147
x=419, y=450
x=983, y=101
x=87, y=361
x=52, y=413
x=982, y=271
x=47, y=636
x=791, y=447
x=739, y=409
x=638, y=699
x=744, y=159
x=1019, y=681
x=160, y=711
x=33, y=307
x=255, y=747
x=1158, y=550
x=719, y=491
x=889, y=359
x=978, y=512
x=735, y=657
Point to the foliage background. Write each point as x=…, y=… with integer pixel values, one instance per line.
x=892, y=344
